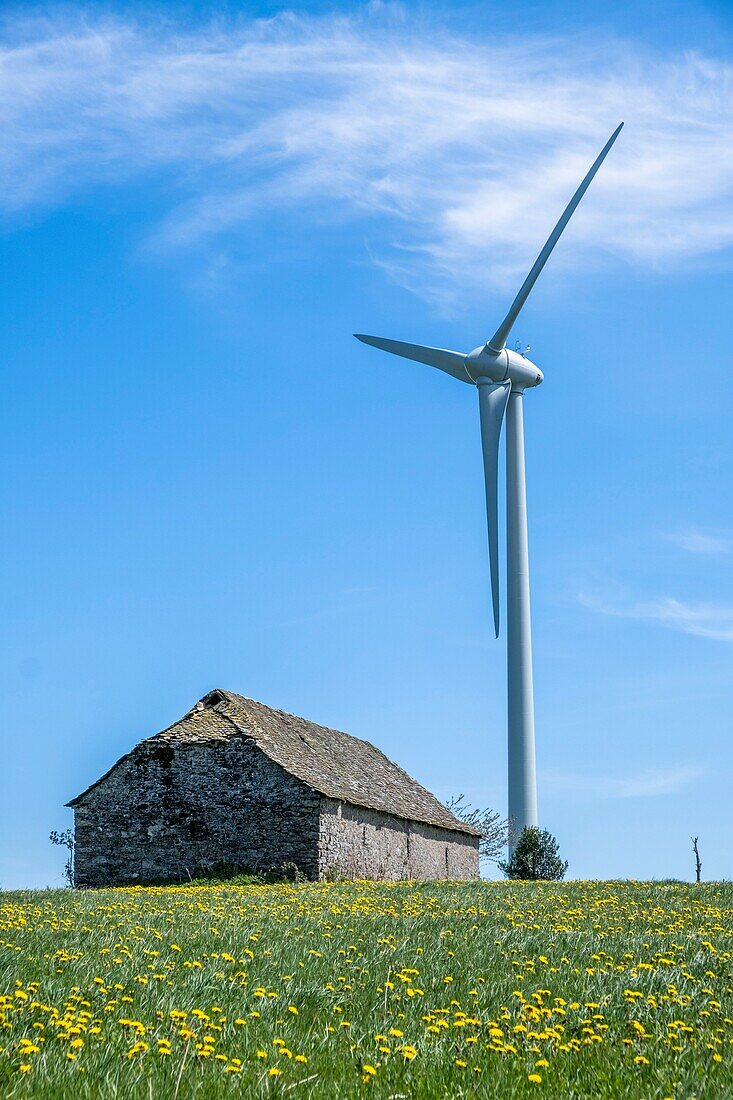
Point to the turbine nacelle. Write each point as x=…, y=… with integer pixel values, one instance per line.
x=503, y=366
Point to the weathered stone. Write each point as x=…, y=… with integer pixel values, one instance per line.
x=235, y=784
x=360, y=843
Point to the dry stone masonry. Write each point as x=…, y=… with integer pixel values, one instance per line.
x=236, y=784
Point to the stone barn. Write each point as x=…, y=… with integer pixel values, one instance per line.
x=236, y=784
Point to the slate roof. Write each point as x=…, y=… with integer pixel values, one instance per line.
x=335, y=764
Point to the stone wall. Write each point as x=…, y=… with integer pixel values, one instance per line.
x=361, y=843
x=169, y=811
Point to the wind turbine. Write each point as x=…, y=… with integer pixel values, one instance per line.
x=501, y=377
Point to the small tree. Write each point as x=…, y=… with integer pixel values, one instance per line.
x=535, y=857
x=66, y=840
x=493, y=828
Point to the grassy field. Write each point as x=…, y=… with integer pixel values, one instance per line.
x=383, y=990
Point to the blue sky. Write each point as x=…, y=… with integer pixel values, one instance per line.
x=206, y=480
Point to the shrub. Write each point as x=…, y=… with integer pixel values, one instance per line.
x=535, y=857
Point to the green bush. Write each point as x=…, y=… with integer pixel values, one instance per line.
x=535, y=857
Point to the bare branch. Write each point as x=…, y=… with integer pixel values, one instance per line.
x=495, y=830
x=66, y=840
x=698, y=864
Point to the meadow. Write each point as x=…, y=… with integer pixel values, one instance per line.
x=578, y=989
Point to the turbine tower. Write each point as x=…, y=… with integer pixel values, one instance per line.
x=501, y=376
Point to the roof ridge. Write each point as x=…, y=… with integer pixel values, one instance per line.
x=437, y=809
x=318, y=725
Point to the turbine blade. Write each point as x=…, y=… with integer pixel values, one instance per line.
x=452, y=362
x=492, y=401
x=499, y=339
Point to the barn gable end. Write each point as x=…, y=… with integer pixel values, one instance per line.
x=174, y=812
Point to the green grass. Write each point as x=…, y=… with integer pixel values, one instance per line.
x=622, y=989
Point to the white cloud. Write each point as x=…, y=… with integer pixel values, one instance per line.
x=699, y=542
x=647, y=784
x=469, y=149
x=703, y=620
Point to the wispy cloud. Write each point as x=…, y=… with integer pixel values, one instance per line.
x=646, y=784
x=704, y=620
x=700, y=542
x=463, y=148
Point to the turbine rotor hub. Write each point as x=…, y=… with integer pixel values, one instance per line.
x=503, y=366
